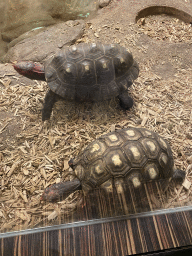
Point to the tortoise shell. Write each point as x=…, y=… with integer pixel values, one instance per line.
x=91, y=72
x=133, y=154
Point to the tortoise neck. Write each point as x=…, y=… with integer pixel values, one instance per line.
x=77, y=184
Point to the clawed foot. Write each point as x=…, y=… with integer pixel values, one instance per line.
x=125, y=100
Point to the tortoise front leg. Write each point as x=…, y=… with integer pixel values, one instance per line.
x=50, y=99
x=125, y=100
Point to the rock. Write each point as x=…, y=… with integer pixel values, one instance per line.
x=26, y=35
x=3, y=47
x=7, y=70
x=46, y=43
x=103, y=3
x=20, y=16
x=2, y=11
x=11, y=32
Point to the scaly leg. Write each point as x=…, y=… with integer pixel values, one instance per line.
x=50, y=99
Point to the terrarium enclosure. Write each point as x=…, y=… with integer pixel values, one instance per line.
x=35, y=154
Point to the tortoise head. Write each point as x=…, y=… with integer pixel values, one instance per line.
x=60, y=190
x=30, y=70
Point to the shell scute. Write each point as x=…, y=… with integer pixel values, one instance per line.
x=122, y=63
x=94, y=150
x=116, y=162
x=113, y=139
x=151, y=147
x=135, y=153
x=86, y=73
x=131, y=134
x=98, y=173
x=104, y=70
x=94, y=51
x=74, y=53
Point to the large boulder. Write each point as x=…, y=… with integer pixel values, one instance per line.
x=39, y=47
x=21, y=16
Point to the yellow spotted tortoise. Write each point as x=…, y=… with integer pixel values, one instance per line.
x=85, y=72
x=134, y=155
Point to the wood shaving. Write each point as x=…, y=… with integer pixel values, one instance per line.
x=166, y=28
x=34, y=155
x=186, y=184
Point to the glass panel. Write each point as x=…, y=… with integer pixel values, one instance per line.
x=124, y=200
x=34, y=155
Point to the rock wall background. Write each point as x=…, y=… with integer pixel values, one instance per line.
x=19, y=16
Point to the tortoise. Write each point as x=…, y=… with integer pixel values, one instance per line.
x=85, y=72
x=134, y=155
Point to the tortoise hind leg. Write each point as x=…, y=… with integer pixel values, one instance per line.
x=50, y=99
x=125, y=100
